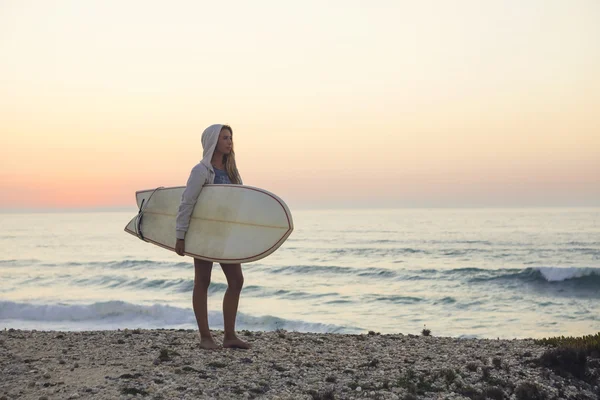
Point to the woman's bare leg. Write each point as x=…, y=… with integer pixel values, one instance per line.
x=235, y=282
x=202, y=274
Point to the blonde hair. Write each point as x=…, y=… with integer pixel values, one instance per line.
x=229, y=161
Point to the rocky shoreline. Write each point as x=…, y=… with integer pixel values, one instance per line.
x=167, y=364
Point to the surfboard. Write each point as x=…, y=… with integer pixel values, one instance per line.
x=229, y=224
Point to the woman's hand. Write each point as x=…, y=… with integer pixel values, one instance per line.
x=180, y=246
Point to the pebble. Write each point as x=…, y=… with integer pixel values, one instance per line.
x=295, y=366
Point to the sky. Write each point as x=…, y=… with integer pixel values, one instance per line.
x=333, y=104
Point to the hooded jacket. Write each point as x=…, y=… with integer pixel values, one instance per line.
x=202, y=174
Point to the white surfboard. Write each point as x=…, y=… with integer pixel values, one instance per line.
x=230, y=223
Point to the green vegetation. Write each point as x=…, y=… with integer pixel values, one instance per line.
x=569, y=355
x=587, y=342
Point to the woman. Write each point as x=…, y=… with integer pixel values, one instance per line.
x=217, y=166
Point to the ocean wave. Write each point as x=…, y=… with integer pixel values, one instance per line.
x=120, y=314
x=394, y=299
x=365, y=251
x=269, y=292
x=296, y=295
x=444, y=249
x=445, y=300
x=557, y=274
x=585, y=250
x=463, y=252
x=472, y=274
x=332, y=269
x=540, y=274
x=561, y=281
x=378, y=272
x=180, y=285
x=124, y=264
x=469, y=270
x=310, y=269
x=465, y=241
x=581, y=243
x=18, y=263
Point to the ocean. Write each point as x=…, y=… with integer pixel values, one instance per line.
x=483, y=273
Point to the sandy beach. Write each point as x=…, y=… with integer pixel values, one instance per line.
x=167, y=364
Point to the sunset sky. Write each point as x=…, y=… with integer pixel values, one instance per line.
x=333, y=103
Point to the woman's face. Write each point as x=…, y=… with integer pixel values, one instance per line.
x=225, y=143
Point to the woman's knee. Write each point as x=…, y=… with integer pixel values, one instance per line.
x=236, y=283
x=234, y=275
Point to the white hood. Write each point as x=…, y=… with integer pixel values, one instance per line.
x=210, y=137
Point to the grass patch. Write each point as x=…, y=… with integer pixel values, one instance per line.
x=569, y=355
x=566, y=361
x=587, y=342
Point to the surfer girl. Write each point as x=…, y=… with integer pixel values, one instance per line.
x=218, y=167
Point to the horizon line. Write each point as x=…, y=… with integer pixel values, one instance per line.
x=57, y=210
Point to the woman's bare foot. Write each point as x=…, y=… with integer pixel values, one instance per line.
x=208, y=343
x=235, y=343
